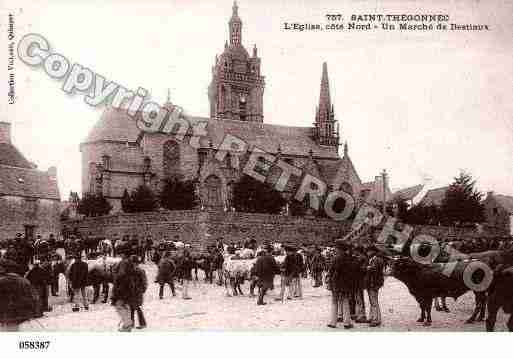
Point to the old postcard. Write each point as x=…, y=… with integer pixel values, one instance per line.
x=335, y=166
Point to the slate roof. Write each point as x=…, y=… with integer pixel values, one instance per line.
x=505, y=201
x=116, y=125
x=26, y=182
x=434, y=197
x=10, y=156
x=408, y=193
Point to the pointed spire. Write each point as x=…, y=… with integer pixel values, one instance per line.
x=168, y=95
x=324, y=97
x=235, y=26
x=254, y=50
x=346, y=149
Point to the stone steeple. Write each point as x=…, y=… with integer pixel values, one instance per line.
x=325, y=125
x=237, y=87
x=235, y=26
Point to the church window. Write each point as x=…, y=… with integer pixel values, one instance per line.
x=106, y=162
x=202, y=156
x=171, y=158
x=242, y=108
x=213, y=191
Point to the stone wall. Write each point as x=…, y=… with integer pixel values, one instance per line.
x=201, y=227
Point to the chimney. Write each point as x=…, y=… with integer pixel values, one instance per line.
x=5, y=132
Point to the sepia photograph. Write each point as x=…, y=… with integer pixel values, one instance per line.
x=255, y=166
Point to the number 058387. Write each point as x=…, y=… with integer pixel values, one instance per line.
x=33, y=345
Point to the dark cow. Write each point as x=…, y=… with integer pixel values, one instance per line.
x=426, y=282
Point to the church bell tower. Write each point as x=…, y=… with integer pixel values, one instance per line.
x=237, y=87
x=326, y=130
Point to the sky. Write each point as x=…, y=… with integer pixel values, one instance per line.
x=423, y=105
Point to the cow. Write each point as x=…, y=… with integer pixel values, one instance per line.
x=99, y=275
x=235, y=271
x=500, y=295
x=425, y=282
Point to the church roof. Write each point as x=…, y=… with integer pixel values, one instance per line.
x=267, y=137
x=26, y=182
x=10, y=156
x=116, y=125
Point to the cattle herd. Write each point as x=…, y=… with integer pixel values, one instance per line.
x=448, y=274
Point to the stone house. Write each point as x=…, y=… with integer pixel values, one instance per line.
x=29, y=198
x=499, y=212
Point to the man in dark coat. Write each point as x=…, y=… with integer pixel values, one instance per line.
x=288, y=269
x=78, y=277
x=361, y=267
x=58, y=267
x=186, y=266
x=18, y=298
x=166, y=274
x=124, y=290
x=265, y=270
x=39, y=276
x=141, y=284
x=317, y=266
x=374, y=281
x=342, y=284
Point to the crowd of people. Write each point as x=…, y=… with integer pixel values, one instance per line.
x=349, y=271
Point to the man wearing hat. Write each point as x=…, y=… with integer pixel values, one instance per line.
x=124, y=291
x=40, y=276
x=342, y=284
x=375, y=280
x=265, y=270
x=78, y=273
x=286, y=269
x=317, y=265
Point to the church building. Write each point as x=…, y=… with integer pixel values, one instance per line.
x=116, y=155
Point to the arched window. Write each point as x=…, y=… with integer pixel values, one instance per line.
x=171, y=155
x=213, y=192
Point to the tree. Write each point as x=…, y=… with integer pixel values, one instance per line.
x=142, y=200
x=178, y=195
x=92, y=205
x=462, y=202
x=253, y=196
x=423, y=215
x=398, y=208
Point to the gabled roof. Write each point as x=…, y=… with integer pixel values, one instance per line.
x=10, y=156
x=25, y=182
x=116, y=125
x=375, y=193
x=408, y=193
x=504, y=201
x=434, y=197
